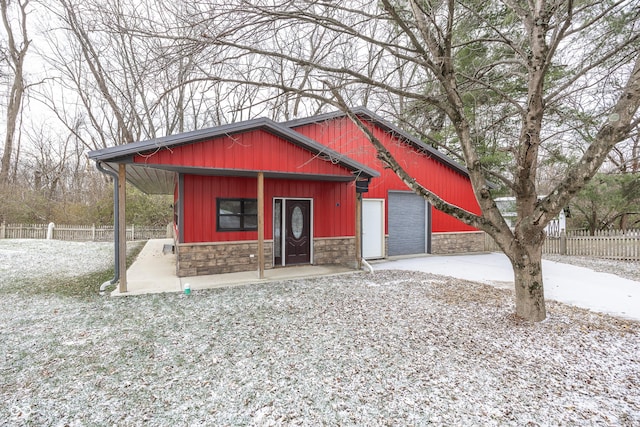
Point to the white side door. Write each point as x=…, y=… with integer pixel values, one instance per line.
x=372, y=228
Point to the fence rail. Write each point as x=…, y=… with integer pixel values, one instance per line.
x=613, y=244
x=77, y=232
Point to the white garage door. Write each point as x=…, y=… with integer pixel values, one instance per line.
x=408, y=224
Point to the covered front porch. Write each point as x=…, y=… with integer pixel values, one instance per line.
x=154, y=271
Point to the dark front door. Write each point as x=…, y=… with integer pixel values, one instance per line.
x=297, y=248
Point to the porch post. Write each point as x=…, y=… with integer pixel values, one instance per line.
x=261, y=224
x=122, y=229
x=359, y=230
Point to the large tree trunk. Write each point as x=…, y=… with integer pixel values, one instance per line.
x=624, y=220
x=527, y=271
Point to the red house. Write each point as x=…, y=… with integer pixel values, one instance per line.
x=397, y=221
x=260, y=194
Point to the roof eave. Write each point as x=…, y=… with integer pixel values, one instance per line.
x=125, y=153
x=126, y=150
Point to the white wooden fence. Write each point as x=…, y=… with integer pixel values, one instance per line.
x=611, y=244
x=77, y=232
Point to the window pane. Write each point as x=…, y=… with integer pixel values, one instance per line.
x=229, y=221
x=250, y=221
x=277, y=220
x=230, y=207
x=251, y=207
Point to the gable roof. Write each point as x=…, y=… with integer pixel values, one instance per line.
x=159, y=179
x=387, y=127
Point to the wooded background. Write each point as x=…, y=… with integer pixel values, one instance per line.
x=82, y=75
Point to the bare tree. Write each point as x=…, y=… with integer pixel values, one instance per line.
x=522, y=80
x=17, y=45
x=625, y=157
x=112, y=87
x=613, y=195
x=529, y=75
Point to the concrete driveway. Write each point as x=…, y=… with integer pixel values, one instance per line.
x=578, y=286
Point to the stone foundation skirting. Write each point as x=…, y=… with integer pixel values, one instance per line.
x=335, y=250
x=200, y=259
x=461, y=242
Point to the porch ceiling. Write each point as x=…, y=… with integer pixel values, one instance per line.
x=147, y=179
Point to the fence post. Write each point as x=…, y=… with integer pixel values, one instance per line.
x=93, y=232
x=133, y=232
x=50, y=229
x=563, y=243
x=3, y=230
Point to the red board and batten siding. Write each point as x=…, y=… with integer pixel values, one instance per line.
x=333, y=202
x=252, y=150
x=344, y=137
x=333, y=205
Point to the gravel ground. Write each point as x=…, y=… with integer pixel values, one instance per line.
x=390, y=348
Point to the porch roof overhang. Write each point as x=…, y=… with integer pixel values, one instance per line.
x=159, y=178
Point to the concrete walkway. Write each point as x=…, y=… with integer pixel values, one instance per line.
x=155, y=272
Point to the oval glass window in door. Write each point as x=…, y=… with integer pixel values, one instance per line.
x=297, y=222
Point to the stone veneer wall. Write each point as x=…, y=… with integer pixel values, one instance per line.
x=199, y=259
x=335, y=250
x=451, y=243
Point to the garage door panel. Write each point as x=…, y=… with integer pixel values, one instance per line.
x=407, y=230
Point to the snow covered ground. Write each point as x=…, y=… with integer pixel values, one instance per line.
x=390, y=348
x=31, y=258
